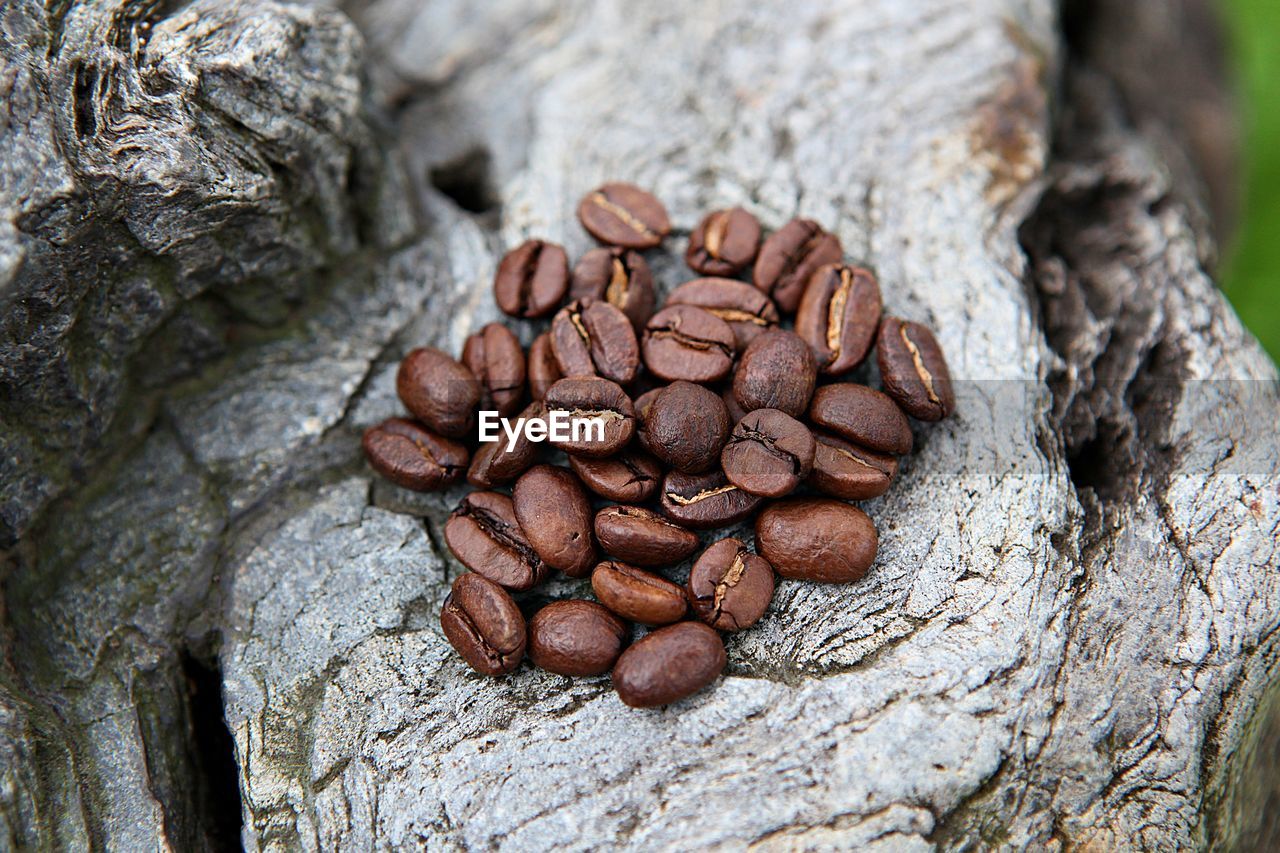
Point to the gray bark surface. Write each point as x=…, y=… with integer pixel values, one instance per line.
x=217, y=244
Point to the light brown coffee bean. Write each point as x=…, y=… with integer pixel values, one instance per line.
x=913, y=371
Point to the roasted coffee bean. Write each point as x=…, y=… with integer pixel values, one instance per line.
x=630, y=477
x=439, y=391
x=842, y=469
x=747, y=311
x=789, y=258
x=769, y=454
x=576, y=638
x=724, y=243
x=496, y=358
x=485, y=536
x=686, y=342
x=777, y=371
x=618, y=276
x=484, y=625
x=816, y=539
x=863, y=415
x=409, y=455
x=544, y=369
x=668, y=665
x=703, y=501
x=592, y=338
x=494, y=463
x=638, y=595
x=642, y=536
x=555, y=515
x=838, y=316
x=532, y=279
x=642, y=405
x=913, y=370
x=729, y=587
x=589, y=398
x=620, y=214
x=686, y=426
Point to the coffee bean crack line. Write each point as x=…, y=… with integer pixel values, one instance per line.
x=622, y=214
x=700, y=496
x=923, y=372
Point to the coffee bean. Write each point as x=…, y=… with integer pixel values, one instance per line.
x=496, y=358
x=638, y=595
x=668, y=665
x=593, y=397
x=686, y=427
x=555, y=515
x=816, y=539
x=484, y=625
x=724, y=243
x=592, y=338
x=685, y=342
x=485, y=536
x=703, y=501
x=642, y=536
x=842, y=469
x=409, y=455
x=642, y=405
x=777, y=371
x=729, y=587
x=747, y=311
x=532, y=279
x=769, y=454
x=621, y=214
x=789, y=258
x=493, y=463
x=439, y=391
x=630, y=477
x=576, y=637
x=543, y=369
x=838, y=316
x=863, y=415
x=913, y=370
x=618, y=276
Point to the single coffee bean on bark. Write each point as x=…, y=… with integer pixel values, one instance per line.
x=555, y=515
x=630, y=477
x=620, y=214
x=838, y=316
x=500, y=461
x=496, y=358
x=769, y=454
x=485, y=536
x=816, y=539
x=842, y=469
x=544, y=369
x=410, y=455
x=668, y=665
x=747, y=311
x=777, y=371
x=729, y=587
x=484, y=625
x=789, y=258
x=687, y=342
x=593, y=338
x=642, y=405
x=532, y=279
x=724, y=243
x=439, y=391
x=638, y=595
x=642, y=537
x=575, y=637
x=618, y=276
x=686, y=426
x=913, y=370
x=703, y=501
x=589, y=398
x=863, y=415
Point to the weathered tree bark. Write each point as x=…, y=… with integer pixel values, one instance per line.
x=223, y=228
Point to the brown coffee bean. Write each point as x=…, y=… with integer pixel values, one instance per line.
x=686, y=427
x=642, y=405
x=724, y=243
x=638, y=595
x=686, y=342
x=496, y=358
x=838, y=316
x=532, y=279
x=863, y=415
x=544, y=369
x=592, y=338
x=913, y=370
x=703, y=501
x=769, y=454
x=642, y=537
x=618, y=276
x=842, y=469
x=729, y=587
x=668, y=665
x=777, y=371
x=578, y=638
x=630, y=477
x=747, y=311
x=485, y=536
x=589, y=398
x=409, y=455
x=621, y=214
x=816, y=539
x=439, y=391
x=484, y=625
x=789, y=258
x=555, y=515
x=494, y=463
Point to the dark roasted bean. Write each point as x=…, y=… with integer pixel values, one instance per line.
x=724, y=243
x=410, y=455
x=593, y=397
x=617, y=276
x=438, y=390
x=638, y=595
x=642, y=536
x=747, y=311
x=593, y=338
x=703, y=501
x=686, y=342
x=686, y=426
x=485, y=536
x=484, y=625
x=842, y=469
x=576, y=637
x=532, y=279
x=630, y=477
x=555, y=515
x=493, y=463
x=729, y=587
x=769, y=454
x=838, y=316
x=621, y=214
x=816, y=539
x=642, y=405
x=863, y=415
x=543, y=369
x=913, y=370
x=496, y=358
x=777, y=371
x=668, y=665
x=789, y=258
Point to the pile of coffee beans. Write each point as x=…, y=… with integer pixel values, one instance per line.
x=714, y=412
